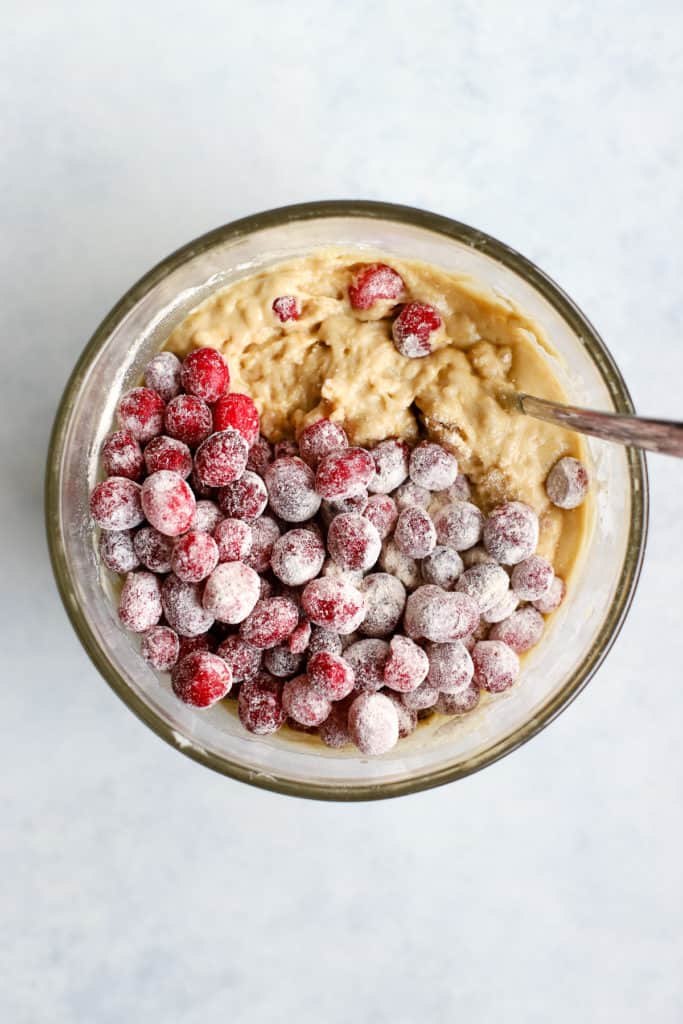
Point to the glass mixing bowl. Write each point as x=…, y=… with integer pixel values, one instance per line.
x=441, y=750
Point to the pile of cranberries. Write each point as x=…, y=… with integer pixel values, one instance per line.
x=340, y=590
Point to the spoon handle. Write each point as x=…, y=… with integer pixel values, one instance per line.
x=653, y=435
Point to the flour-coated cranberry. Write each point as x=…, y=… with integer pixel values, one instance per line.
x=245, y=498
x=264, y=533
x=141, y=413
x=485, y=584
x=330, y=509
x=415, y=534
x=281, y=662
x=422, y=698
x=162, y=374
x=411, y=493
x=334, y=731
x=414, y=329
x=286, y=307
x=122, y=456
x=407, y=719
x=154, y=549
x=300, y=637
x=243, y=659
x=353, y=542
x=207, y=516
x=190, y=644
x=140, y=601
x=443, y=567
x=334, y=571
x=403, y=567
x=260, y=456
x=511, y=532
x=195, y=556
x=115, y=504
x=168, y=453
x=344, y=473
x=459, y=525
x=505, y=607
x=205, y=374
x=385, y=599
x=439, y=615
x=532, y=578
x=330, y=675
x=183, y=608
x=160, y=647
x=406, y=666
x=450, y=667
x=375, y=282
x=323, y=639
x=460, y=489
x=117, y=550
x=373, y=724
x=237, y=412
x=318, y=439
x=553, y=599
x=231, y=592
x=304, y=704
x=391, y=459
x=521, y=631
x=297, y=557
x=334, y=604
x=168, y=502
x=460, y=703
x=259, y=705
x=432, y=467
x=567, y=483
x=188, y=419
x=234, y=539
x=367, y=658
x=201, y=679
x=496, y=666
x=291, y=489
x=382, y=512
x=270, y=622
x=221, y=459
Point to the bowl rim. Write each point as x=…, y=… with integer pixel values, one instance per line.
x=567, y=309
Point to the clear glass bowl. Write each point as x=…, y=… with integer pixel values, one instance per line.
x=441, y=750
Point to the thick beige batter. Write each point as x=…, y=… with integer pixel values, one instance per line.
x=341, y=363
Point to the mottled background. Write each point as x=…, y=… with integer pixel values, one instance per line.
x=138, y=886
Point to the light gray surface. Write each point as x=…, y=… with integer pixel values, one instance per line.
x=137, y=886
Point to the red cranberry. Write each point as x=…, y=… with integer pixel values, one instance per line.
x=409, y=494
x=271, y=622
x=207, y=516
x=264, y=533
x=260, y=705
x=450, y=667
x=407, y=719
x=153, y=549
x=431, y=466
x=297, y=557
x=373, y=283
x=391, y=465
x=382, y=512
x=234, y=540
x=334, y=730
x=319, y=439
x=414, y=328
x=373, y=724
x=168, y=502
x=459, y=703
x=190, y=644
x=532, y=578
x=243, y=659
x=160, y=648
x=183, y=608
x=496, y=666
x=333, y=603
x=205, y=375
x=303, y=703
x=521, y=631
x=553, y=599
x=424, y=697
x=567, y=483
x=245, y=498
x=330, y=509
x=459, y=525
x=439, y=615
x=162, y=374
x=260, y=456
x=188, y=419
x=504, y=608
x=201, y=679
x=122, y=456
x=281, y=662
x=385, y=599
x=117, y=550
x=141, y=413
x=487, y=585
x=168, y=453
x=221, y=459
x=330, y=675
x=195, y=556
x=291, y=490
x=140, y=601
x=460, y=489
x=342, y=474
x=237, y=412
x=415, y=534
x=406, y=666
x=353, y=542
x=403, y=567
x=324, y=640
x=231, y=592
x=115, y=504
x=367, y=658
x=443, y=567
x=299, y=639
x=286, y=308
x=511, y=532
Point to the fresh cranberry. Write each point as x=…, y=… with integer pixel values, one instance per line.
x=496, y=666
x=323, y=639
x=415, y=534
x=373, y=724
x=190, y=644
x=532, y=578
x=382, y=512
x=117, y=551
x=403, y=567
x=373, y=283
x=511, y=532
x=344, y=473
x=504, y=608
x=231, y=592
x=221, y=459
x=521, y=631
x=162, y=374
x=245, y=498
x=160, y=648
x=168, y=502
x=300, y=637
x=195, y=556
x=281, y=662
x=304, y=704
x=260, y=705
x=188, y=419
x=459, y=703
x=154, y=549
x=140, y=601
x=141, y=413
x=409, y=494
x=406, y=666
x=367, y=658
x=243, y=659
x=443, y=567
x=333, y=603
x=291, y=489
x=286, y=307
x=440, y=615
x=297, y=557
x=270, y=622
x=115, y=504
x=264, y=533
x=201, y=679
x=122, y=456
x=234, y=539
x=330, y=509
x=459, y=525
x=183, y=608
x=431, y=466
x=207, y=516
x=319, y=439
x=422, y=698
x=237, y=412
x=260, y=456
x=414, y=328
x=353, y=542
x=450, y=667
x=553, y=599
x=330, y=675
x=385, y=599
x=460, y=489
x=391, y=465
x=567, y=483
x=334, y=730
x=168, y=453
x=205, y=375
x=485, y=584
